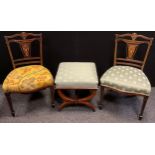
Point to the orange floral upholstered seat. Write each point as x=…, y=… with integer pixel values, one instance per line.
x=27, y=79
x=32, y=76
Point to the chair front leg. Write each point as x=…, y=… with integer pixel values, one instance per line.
x=52, y=96
x=140, y=117
x=8, y=97
x=100, y=105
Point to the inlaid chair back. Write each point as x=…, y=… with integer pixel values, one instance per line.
x=132, y=42
x=25, y=40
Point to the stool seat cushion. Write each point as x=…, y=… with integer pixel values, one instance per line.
x=27, y=79
x=77, y=75
x=126, y=79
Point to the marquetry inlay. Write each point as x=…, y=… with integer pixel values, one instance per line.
x=25, y=41
x=131, y=50
x=132, y=41
x=25, y=47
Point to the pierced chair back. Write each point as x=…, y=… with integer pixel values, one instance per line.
x=132, y=43
x=24, y=41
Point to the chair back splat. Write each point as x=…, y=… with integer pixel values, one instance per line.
x=25, y=40
x=132, y=42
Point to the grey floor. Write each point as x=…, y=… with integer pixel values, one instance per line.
x=36, y=108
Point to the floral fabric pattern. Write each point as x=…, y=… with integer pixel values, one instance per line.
x=28, y=78
x=127, y=79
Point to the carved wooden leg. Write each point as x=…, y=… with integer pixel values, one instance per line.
x=64, y=104
x=88, y=104
x=70, y=101
x=100, y=105
x=8, y=97
x=140, y=117
x=52, y=95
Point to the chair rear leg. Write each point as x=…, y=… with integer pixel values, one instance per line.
x=52, y=96
x=8, y=97
x=140, y=117
x=100, y=105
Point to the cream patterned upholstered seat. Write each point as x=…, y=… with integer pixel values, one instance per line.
x=127, y=76
x=77, y=75
x=127, y=79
